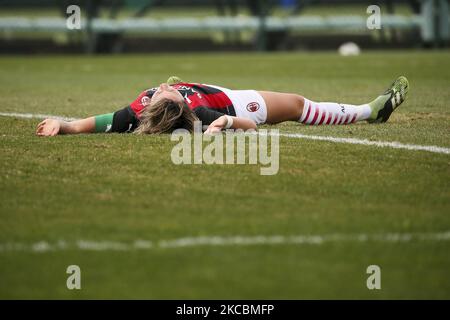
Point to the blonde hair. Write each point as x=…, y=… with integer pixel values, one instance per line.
x=165, y=116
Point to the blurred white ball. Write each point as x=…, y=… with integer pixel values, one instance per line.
x=349, y=49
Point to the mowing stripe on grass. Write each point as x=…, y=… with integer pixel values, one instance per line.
x=380, y=144
x=231, y=241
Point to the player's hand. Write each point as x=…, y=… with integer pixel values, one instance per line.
x=48, y=128
x=217, y=125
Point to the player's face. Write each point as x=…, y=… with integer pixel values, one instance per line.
x=166, y=92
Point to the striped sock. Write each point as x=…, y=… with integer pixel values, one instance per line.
x=320, y=113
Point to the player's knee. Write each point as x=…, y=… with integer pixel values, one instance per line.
x=299, y=102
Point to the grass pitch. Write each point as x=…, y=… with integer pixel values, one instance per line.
x=123, y=188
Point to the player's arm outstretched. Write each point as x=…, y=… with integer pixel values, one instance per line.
x=52, y=127
x=122, y=120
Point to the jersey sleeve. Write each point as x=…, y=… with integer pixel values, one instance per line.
x=206, y=115
x=123, y=120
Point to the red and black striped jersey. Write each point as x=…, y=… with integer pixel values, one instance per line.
x=207, y=102
x=195, y=95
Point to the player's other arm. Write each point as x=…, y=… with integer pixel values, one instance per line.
x=225, y=122
x=216, y=121
x=122, y=120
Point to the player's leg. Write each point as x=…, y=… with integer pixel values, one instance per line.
x=321, y=113
x=282, y=106
x=379, y=110
x=292, y=107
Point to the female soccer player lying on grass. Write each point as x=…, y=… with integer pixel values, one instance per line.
x=178, y=104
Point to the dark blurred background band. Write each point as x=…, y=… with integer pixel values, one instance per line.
x=113, y=26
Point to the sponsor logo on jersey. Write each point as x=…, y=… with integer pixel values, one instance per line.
x=253, y=107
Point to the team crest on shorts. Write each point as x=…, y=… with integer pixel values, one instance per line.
x=253, y=107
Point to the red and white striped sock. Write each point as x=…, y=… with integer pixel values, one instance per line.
x=320, y=113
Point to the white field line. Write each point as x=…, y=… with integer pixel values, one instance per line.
x=35, y=116
x=380, y=144
x=231, y=241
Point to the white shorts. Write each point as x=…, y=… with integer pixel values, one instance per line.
x=247, y=104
